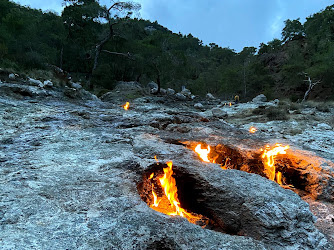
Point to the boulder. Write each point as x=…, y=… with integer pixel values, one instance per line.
x=199, y=106
x=163, y=91
x=260, y=98
x=76, y=85
x=152, y=85
x=219, y=113
x=253, y=206
x=186, y=92
x=276, y=101
x=180, y=96
x=170, y=91
x=35, y=82
x=48, y=84
x=11, y=76
x=210, y=96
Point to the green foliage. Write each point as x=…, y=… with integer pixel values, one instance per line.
x=147, y=51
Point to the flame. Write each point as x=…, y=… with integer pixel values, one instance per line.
x=279, y=178
x=252, y=130
x=230, y=104
x=156, y=159
x=126, y=106
x=155, y=198
x=203, y=153
x=169, y=203
x=269, y=156
x=151, y=176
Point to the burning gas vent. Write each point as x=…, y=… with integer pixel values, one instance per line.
x=171, y=190
x=274, y=163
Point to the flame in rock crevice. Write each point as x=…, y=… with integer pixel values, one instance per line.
x=268, y=157
x=169, y=203
x=252, y=130
x=203, y=153
x=126, y=106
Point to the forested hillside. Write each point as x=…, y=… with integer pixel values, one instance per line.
x=101, y=45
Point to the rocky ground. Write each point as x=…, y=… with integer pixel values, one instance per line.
x=71, y=167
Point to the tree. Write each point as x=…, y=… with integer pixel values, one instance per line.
x=85, y=14
x=292, y=29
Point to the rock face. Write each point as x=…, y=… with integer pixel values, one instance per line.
x=219, y=113
x=152, y=85
x=70, y=170
x=180, y=96
x=199, y=106
x=170, y=91
x=210, y=96
x=277, y=217
x=260, y=98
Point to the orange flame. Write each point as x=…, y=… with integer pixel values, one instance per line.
x=169, y=203
x=269, y=156
x=203, y=153
x=252, y=130
x=156, y=159
x=126, y=106
x=230, y=104
x=155, y=198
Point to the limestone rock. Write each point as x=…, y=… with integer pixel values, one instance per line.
x=48, y=84
x=186, y=93
x=199, y=106
x=219, y=113
x=276, y=216
x=210, y=96
x=76, y=85
x=180, y=96
x=152, y=85
x=170, y=91
x=35, y=82
x=260, y=98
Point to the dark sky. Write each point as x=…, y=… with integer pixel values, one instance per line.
x=228, y=23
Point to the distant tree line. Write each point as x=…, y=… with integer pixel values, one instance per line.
x=105, y=44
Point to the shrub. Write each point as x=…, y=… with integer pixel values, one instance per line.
x=274, y=113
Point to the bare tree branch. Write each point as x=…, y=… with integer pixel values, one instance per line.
x=310, y=85
x=128, y=55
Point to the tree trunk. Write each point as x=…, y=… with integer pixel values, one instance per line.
x=159, y=84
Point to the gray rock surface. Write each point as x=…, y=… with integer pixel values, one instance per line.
x=260, y=98
x=170, y=91
x=210, y=96
x=186, y=93
x=219, y=113
x=70, y=168
x=199, y=106
x=152, y=85
x=180, y=96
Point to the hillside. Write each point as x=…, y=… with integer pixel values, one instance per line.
x=139, y=50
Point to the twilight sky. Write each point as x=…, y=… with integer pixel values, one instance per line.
x=228, y=23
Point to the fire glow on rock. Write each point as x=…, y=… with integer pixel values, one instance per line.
x=268, y=158
x=126, y=106
x=169, y=203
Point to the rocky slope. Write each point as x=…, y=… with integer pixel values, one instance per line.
x=71, y=168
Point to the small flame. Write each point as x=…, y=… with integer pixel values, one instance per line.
x=252, y=130
x=203, y=153
x=155, y=198
x=279, y=178
x=156, y=159
x=269, y=156
x=169, y=203
x=126, y=106
x=151, y=176
x=230, y=104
